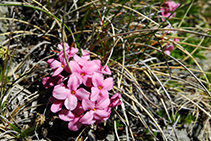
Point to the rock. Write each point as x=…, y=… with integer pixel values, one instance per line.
x=110, y=137
x=181, y=135
x=4, y=26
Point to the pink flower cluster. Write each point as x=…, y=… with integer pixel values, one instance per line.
x=168, y=7
x=81, y=95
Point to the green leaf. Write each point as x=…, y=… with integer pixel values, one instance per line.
x=189, y=119
x=15, y=128
x=118, y=124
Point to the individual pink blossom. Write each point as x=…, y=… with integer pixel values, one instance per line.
x=85, y=72
x=56, y=104
x=49, y=82
x=57, y=66
x=101, y=86
x=170, y=47
x=115, y=100
x=71, y=94
x=167, y=51
x=169, y=7
x=70, y=52
x=72, y=117
x=97, y=111
x=176, y=40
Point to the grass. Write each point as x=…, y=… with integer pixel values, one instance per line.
x=161, y=94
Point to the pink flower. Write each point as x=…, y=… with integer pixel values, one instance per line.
x=57, y=66
x=72, y=117
x=167, y=51
x=101, y=86
x=70, y=52
x=49, y=82
x=170, y=47
x=115, y=100
x=96, y=111
x=169, y=7
x=71, y=94
x=176, y=40
x=85, y=72
x=56, y=104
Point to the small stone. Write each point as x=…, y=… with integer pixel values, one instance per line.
x=110, y=137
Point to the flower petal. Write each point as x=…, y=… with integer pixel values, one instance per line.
x=167, y=52
x=101, y=114
x=106, y=70
x=60, y=92
x=103, y=103
x=90, y=67
x=97, y=79
x=57, y=105
x=81, y=94
x=171, y=47
x=67, y=69
x=80, y=60
x=116, y=96
x=87, y=104
x=48, y=82
x=66, y=115
x=57, y=71
x=54, y=63
x=70, y=102
x=73, y=82
x=115, y=100
x=103, y=94
x=74, y=125
x=60, y=46
x=108, y=83
x=85, y=54
x=75, y=67
x=176, y=40
x=94, y=93
x=87, y=118
x=71, y=52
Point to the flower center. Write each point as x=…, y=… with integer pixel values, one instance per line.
x=82, y=74
x=100, y=87
x=62, y=65
x=73, y=92
x=93, y=109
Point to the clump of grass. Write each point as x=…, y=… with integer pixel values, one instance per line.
x=159, y=91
